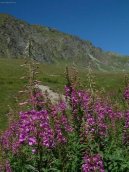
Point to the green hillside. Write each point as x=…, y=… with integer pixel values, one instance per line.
x=19, y=39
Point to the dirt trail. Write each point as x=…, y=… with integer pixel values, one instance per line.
x=54, y=97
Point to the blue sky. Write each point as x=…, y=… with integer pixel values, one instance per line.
x=104, y=22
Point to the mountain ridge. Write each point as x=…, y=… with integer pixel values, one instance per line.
x=48, y=45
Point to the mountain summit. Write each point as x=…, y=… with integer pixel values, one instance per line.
x=19, y=39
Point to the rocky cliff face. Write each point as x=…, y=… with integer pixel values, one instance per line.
x=19, y=39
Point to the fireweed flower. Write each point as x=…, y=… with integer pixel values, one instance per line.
x=33, y=151
x=92, y=163
x=94, y=123
x=8, y=138
x=101, y=115
x=126, y=129
x=7, y=166
x=120, y=115
x=61, y=123
x=34, y=128
x=38, y=99
x=90, y=125
x=35, y=125
x=48, y=128
x=32, y=141
x=79, y=102
x=126, y=93
x=106, y=113
x=67, y=91
x=77, y=97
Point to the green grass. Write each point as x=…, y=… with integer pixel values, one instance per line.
x=10, y=83
x=51, y=75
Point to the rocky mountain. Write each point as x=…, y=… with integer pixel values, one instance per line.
x=19, y=39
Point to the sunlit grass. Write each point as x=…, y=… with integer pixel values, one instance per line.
x=51, y=75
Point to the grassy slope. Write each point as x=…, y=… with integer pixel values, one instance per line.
x=51, y=75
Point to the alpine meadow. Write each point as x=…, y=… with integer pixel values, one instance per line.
x=64, y=103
